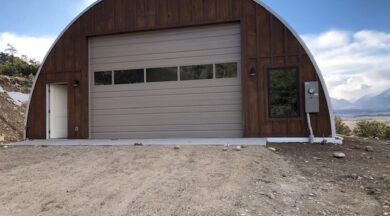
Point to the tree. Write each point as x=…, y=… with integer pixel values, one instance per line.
x=4, y=57
x=11, y=50
x=342, y=128
x=12, y=65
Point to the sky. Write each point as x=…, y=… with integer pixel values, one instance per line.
x=350, y=39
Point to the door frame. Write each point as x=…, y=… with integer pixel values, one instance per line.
x=48, y=111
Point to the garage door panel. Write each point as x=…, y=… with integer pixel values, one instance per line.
x=172, y=91
x=163, y=101
x=170, y=55
x=157, y=86
x=168, y=118
x=165, y=104
x=170, y=98
x=165, y=128
x=167, y=134
x=174, y=109
x=109, y=56
x=167, y=39
x=173, y=100
x=171, y=47
x=171, y=109
x=167, y=62
x=164, y=36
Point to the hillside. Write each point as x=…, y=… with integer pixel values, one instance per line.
x=13, y=102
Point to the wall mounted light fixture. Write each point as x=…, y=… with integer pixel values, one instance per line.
x=76, y=83
x=253, y=72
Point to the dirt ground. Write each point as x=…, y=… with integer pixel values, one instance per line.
x=296, y=179
x=361, y=171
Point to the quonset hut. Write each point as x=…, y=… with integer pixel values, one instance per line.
x=179, y=69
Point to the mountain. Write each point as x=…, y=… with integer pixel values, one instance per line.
x=366, y=105
x=380, y=101
x=341, y=104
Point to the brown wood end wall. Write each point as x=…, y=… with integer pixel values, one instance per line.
x=266, y=42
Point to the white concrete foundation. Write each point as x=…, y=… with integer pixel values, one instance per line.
x=125, y=142
x=331, y=140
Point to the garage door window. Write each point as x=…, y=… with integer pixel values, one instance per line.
x=129, y=76
x=103, y=78
x=164, y=74
x=196, y=72
x=161, y=74
x=226, y=70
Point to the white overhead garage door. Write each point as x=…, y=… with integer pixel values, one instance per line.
x=180, y=83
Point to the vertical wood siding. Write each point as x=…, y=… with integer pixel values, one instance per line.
x=266, y=42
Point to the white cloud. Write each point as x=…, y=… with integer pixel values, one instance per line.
x=89, y=2
x=354, y=64
x=84, y=4
x=33, y=47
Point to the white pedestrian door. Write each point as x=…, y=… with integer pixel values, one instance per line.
x=58, y=111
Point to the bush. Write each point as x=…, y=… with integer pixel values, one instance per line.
x=342, y=128
x=387, y=135
x=31, y=76
x=371, y=129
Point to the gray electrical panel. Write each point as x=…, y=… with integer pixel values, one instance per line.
x=312, y=101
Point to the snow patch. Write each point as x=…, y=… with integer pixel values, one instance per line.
x=17, y=97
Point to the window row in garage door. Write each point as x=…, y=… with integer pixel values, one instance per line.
x=163, y=74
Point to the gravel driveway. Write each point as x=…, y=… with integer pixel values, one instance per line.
x=158, y=180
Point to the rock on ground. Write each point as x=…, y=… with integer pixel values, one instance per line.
x=369, y=148
x=338, y=155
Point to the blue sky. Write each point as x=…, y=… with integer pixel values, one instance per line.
x=350, y=39
x=314, y=16
x=49, y=17
x=38, y=18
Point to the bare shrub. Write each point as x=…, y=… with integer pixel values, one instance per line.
x=373, y=129
x=342, y=128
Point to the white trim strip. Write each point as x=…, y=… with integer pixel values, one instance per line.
x=332, y=140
